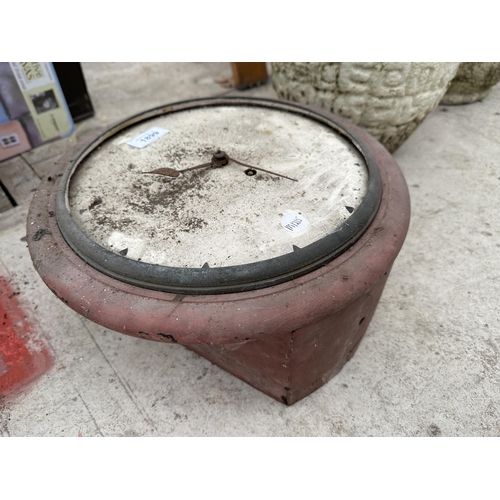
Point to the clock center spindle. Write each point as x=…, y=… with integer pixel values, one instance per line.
x=220, y=158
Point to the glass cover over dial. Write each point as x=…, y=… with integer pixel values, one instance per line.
x=220, y=196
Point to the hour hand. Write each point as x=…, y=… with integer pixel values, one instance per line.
x=171, y=172
x=219, y=159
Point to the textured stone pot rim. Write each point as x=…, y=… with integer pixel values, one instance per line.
x=205, y=280
x=227, y=318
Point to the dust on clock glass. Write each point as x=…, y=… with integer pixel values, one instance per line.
x=218, y=187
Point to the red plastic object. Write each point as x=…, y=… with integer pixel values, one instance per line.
x=22, y=358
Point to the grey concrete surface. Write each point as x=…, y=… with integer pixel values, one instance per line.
x=428, y=365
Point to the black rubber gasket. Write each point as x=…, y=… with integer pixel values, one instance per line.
x=231, y=279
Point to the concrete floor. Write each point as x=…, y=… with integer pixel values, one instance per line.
x=428, y=365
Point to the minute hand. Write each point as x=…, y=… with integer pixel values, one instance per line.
x=261, y=169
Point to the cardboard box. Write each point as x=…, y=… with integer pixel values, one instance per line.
x=33, y=110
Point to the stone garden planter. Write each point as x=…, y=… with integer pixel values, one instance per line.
x=389, y=100
x=472, y=82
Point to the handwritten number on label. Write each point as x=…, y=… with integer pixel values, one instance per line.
x=149, y=137
x=295, y=223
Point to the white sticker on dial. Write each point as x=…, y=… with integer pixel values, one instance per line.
x=146, y=138
x=294, y=223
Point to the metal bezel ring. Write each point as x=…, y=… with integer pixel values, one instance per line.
x=230, y=279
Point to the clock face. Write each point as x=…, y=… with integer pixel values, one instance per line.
x=221, y=228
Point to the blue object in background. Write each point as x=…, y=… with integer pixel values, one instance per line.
x=3, y=115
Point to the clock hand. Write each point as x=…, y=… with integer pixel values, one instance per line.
x=261, y=169
x=171, y=172
x=219, y=159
